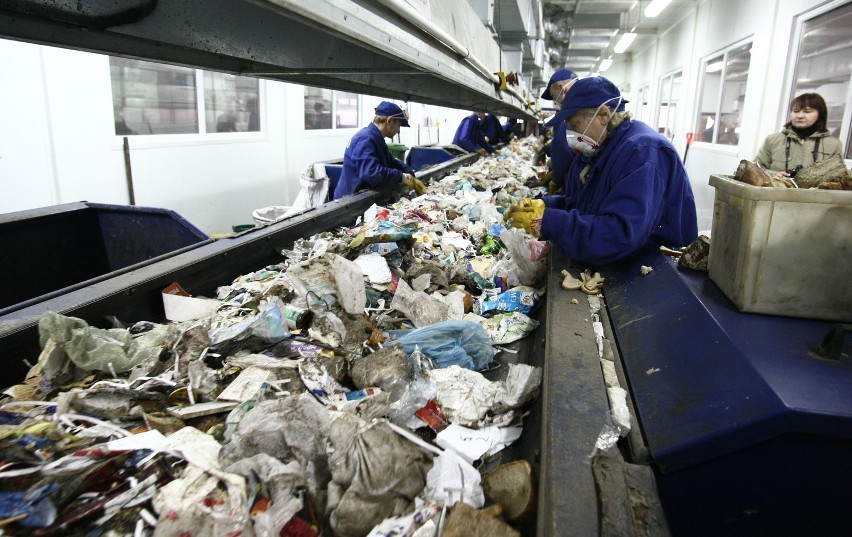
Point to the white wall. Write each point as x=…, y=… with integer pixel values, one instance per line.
x=57, y=145
x=713, y=26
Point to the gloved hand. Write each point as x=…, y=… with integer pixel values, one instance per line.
x=545, y=177
x=527, y=215
x=412, y=183
x=482, y=152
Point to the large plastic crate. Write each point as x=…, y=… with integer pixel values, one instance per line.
x=56, y=249
x=783, y=251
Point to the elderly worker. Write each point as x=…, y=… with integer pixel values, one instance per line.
x=633, y=189
x=561, y=155
x=367, y=162
x=469, y=135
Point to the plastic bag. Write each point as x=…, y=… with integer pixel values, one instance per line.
x=530, y=256
x=462, y=343
x=314, y=191
x=262, y=330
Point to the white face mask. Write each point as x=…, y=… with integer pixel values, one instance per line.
x=584, y=144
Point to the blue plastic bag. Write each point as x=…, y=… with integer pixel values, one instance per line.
x=463, y=343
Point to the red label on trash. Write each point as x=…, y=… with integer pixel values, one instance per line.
x=433, y=416
x=175, y=289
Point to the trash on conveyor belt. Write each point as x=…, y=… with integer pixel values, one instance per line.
x=339, y=392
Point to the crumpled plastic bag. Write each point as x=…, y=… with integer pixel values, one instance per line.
x=462, y=343
x=280, y=482
x=422, y=309
x=376, y=474
x=265, y=328
x=314, y=191
x=195, y=503
x=290, y=428
x=520, y=387
x=98, y=349
x=464, y=396
x=530, y=256
x=505, y=328
x=330, y=277
x=453, y=479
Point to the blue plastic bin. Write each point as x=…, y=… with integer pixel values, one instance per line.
x=56, y=249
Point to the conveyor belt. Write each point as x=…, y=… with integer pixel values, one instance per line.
x=562, y=426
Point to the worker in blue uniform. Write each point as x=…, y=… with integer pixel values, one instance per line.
x=493, y=130
x=561, y=155
x=367, y=162
x=469, y=135
x=633, y=189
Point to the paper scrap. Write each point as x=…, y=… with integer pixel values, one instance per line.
x=246, y=385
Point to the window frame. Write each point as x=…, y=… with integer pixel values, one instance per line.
x=667, y=78
x=333, y=112
x=202, y=136
x=699, y=94
x=799, y=22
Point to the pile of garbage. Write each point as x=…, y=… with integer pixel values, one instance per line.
x=341, y=392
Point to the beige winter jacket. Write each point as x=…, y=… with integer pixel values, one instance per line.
x=772, y=153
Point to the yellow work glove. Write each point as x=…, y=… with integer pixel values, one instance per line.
x=545, y=177
x=526, y=215
x=412, y=183
x=482, y=152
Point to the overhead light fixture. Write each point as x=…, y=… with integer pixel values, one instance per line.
x=624, y=42
x=714, y=67
x=655, y=7
x=605, y=64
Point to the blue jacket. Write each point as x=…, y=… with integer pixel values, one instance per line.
x=492, y=128
x=469, y=135
x=636, y=193
x=561, y=155
x=368, y=163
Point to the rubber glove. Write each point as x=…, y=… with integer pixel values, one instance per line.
x=527, y=215
x=412, y=183
x=482, y=152
x=545, y=177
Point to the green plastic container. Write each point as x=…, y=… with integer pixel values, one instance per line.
x=398, y=150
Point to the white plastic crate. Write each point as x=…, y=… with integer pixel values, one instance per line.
x=783, y=251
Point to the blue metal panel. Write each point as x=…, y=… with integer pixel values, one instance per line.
x=420, y=157
x=747, y=426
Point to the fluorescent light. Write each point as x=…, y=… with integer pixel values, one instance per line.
x=655, y=7
x=605, y=64
x=625, y=41
x=714, y=67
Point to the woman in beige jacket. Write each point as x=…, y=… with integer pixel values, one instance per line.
x=803, y=140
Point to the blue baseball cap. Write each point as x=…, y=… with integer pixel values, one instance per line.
x=562, y=74
x=587, y=93
x=386, y=109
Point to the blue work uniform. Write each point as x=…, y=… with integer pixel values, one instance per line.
x=493, y=130
x=469, y=135
x=561, y=155
x=637, y=192
x=367, y=162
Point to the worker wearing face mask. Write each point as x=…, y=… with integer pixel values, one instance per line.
x=561, y=155
x=633, y=189
x=367, y=162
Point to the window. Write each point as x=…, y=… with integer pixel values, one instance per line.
x=670, y=91
x=230, y=103
x=643, y=111
x=822, y=66
x=721, y=95
x=327, y=109
x=153, y=98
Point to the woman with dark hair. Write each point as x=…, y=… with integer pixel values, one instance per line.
x=803, y=140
